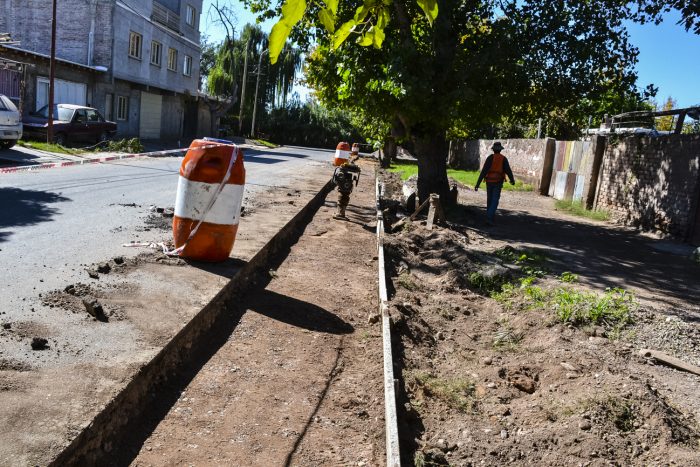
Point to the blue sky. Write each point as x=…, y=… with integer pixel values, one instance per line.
x=669, y=57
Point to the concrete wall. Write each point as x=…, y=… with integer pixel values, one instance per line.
x=526, y=157
x=652, y=183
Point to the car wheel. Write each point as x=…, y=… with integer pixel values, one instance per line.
x=103, y=138
x=60, y=139
x=6, y=144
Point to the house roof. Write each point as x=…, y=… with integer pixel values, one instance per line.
x=29, y=53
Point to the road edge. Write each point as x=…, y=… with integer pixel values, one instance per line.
x=111, y=425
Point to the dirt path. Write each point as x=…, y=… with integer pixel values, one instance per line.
x=495, y=372
x=602, y=254
x=299, y=380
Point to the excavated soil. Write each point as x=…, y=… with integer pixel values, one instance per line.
x=487, y=382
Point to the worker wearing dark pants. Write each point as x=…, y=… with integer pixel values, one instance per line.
x=345, y=178
x=495, y=170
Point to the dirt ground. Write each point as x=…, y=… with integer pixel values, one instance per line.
x=507, y=382
x=299, y=381
x=48, y=395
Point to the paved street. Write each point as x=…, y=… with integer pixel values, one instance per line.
x=56, y=220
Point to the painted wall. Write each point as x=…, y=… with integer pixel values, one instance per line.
x=575, y=170
x=652, y=183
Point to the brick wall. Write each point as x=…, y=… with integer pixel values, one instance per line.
x=29, y=21
x=652, y=183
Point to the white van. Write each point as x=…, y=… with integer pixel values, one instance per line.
x=10, y=123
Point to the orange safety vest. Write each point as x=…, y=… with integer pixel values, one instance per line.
x=496, y=173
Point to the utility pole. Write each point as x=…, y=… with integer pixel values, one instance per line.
x=52, y=75
x=245, y=80
x=255, y=101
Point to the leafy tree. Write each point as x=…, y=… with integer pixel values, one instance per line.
x=437, y=65
x=666, y=123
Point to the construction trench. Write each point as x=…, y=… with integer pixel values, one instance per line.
x=141, y=423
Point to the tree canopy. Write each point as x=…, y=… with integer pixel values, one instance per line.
x=431, y=67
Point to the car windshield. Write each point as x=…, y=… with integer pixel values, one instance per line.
x=62, y=114
x=7, y=105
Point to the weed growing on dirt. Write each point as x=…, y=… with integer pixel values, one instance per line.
x=406, y=281
x=505, y=337
x=568, y=277
x=458, y=393
x=614, y=308
x=486, y=284
x=578, y=209
x=531, y=262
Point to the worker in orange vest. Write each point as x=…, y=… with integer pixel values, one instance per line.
x=495, y=169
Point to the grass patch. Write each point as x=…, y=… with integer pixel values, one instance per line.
x=265, y=143
x=458, y=393
x=568, y=277
x=49, y=147
x=577, y=208
x=465, y=177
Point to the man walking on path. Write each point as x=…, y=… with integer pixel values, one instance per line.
x=494, y=172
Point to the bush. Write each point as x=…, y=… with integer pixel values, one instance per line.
x=130, y=146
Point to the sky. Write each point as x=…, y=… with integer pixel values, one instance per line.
x=669, y=57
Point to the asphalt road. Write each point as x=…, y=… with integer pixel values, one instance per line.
x=56, y=221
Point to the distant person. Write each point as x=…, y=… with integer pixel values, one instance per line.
x=494, y=172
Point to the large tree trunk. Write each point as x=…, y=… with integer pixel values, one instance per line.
x=431, y=152
x=388, y=153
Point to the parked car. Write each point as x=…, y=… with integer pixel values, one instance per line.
x=71, y=123
x=10, y=125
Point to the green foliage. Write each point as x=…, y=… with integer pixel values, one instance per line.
x=531, y=262
x=458, y=393
x=130, y=146
x=292, y=12
x=578, y=209
x=568, y=277
x=308, y=124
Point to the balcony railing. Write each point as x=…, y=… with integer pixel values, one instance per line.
x=166, y=17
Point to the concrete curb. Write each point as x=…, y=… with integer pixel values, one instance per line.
x=30, y=168
x=393, y=452
x=114, y=424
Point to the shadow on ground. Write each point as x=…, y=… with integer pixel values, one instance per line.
x=297, y=313
x=602, y=255
x=21, y=208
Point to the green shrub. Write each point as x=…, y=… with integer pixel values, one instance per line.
x=130, y=146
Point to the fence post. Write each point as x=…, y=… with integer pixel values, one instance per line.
x=550, y=147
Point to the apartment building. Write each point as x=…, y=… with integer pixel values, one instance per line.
x=137, y=61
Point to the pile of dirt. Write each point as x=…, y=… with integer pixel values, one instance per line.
x=510, y=381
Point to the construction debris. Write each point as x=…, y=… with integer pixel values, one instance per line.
x=668, y=360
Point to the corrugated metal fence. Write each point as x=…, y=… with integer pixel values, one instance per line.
x=573, y=162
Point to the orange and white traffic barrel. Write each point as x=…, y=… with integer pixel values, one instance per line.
x=209, y=198
x=342, y=154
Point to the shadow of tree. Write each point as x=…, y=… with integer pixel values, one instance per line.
x=602, y=255
x=21, y=208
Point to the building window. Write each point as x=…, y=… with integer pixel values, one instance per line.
x=191, y=15
x=122, y=108
x=188, y=66
x=135, y=40
x=156, y=52
x=172, y=59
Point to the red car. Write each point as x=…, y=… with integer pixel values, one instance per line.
x=71, y=123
